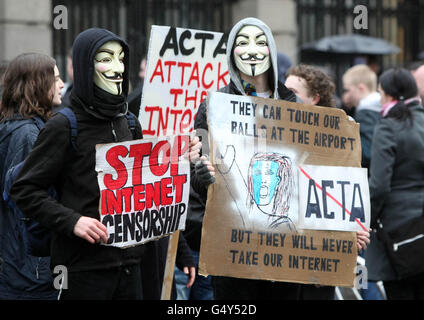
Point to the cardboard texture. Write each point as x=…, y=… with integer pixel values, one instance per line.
x=251, y=226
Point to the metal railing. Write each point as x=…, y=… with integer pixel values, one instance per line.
x=132, y=19
x=397, y=21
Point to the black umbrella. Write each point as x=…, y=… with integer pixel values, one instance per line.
x=352, y=44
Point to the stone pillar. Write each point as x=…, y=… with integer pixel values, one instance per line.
x=25, y=27
x=279, y=15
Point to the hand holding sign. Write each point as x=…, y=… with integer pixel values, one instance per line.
x=194, y=149
x=363, y=239
x=205, y=171
x=91, y=230
x=191, y=273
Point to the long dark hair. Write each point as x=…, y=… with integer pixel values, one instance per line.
x=27, y=85
x=401, y=85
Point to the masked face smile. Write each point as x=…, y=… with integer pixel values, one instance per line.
x=109, y=67
x=251, y=51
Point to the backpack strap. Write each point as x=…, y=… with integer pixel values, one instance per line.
x=38, y=122
x=72, y=119
x=131, y=122
x=70, y=115
x=9, y=178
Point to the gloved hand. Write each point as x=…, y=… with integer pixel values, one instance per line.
x=205, y=172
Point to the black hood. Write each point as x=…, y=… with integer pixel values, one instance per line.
x=83, y=51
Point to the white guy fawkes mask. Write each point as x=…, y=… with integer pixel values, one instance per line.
x=251, y=51
x=109, y=67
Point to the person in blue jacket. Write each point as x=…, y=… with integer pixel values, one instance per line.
x=32, y=86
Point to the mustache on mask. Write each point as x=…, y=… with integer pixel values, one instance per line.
x=252, y=57
x=116, y=76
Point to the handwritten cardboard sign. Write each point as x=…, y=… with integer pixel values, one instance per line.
x=144, y=187
x=182, y=66
x=251, y=226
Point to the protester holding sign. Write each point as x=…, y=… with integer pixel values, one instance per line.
x=271, y=177
x=100, y=61
x=397, y=180
x=98, y=100
x=32, y=88
x=252, y=64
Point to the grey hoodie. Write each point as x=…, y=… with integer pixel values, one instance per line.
x=232, y=69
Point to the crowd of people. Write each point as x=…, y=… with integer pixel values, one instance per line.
x=34, y=132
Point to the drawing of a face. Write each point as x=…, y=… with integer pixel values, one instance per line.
x=251, y=51
x=265, y=181
x=109, y=67
x=271, y=185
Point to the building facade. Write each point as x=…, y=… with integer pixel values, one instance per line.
x=50, y=26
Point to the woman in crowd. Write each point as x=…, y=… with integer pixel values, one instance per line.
x=397, y=176
x=311, y=85
x=31, y=87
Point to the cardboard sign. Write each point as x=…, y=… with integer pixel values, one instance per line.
x=182, y=66
x=144, y=187
x=251, y=226
x=334, y=198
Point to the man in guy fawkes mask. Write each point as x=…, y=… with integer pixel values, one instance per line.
x=252, y=65
x=98, y=100
x=100, y=74
x=109, y=67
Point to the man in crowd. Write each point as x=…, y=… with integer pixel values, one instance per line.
x=360, y=92
x=253, y=69
x=99, y=102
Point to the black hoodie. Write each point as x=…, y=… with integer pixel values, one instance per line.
x=53, y=161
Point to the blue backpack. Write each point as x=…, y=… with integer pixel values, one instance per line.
x=36, y=237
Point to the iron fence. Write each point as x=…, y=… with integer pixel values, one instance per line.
x=132, y=19
x=397, y=21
